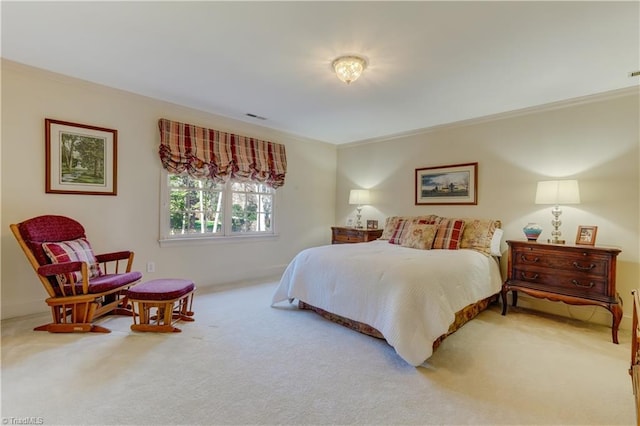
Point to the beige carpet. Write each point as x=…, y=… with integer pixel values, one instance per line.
x=243, y=362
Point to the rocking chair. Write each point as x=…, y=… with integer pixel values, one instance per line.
x=81, y=286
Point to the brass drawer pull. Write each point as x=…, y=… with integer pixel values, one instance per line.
x=525, y=260
x=583, y=268
x=530, y=278
x=577, y=284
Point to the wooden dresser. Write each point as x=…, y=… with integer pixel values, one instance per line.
x=344, y=235
x=573, y=274
x=634, y=369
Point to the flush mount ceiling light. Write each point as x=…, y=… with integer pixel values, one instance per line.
x=349, y=68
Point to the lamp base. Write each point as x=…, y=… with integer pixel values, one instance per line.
x=358, y=217
x=556, y=222
x=550, y=241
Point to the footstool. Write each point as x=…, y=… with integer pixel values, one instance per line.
x=171, y=299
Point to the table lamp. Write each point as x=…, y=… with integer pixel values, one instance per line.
x=557, y=192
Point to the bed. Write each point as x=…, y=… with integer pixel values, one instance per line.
x=410, y=288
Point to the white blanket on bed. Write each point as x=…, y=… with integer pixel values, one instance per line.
x=409, y=295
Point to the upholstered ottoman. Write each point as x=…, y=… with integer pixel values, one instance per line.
x=158, y=304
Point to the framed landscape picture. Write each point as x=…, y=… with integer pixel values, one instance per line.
x=80, y=159
x=453, y=184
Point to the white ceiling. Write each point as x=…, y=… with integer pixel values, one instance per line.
x=430, y=63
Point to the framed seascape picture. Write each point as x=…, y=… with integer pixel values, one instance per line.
x=80, y=159
x=586, y=235
x=453, y=184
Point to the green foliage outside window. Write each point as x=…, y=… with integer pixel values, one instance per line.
x=197, y=206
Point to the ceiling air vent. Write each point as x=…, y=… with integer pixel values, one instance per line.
x=255, y=116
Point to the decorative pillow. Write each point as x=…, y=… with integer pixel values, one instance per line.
x=392, y=222
x=390, y=226
x=428, y=219
x=403, y=224
x=449, y=234
x=478, y=234
x=72, y=251
x=419, y=236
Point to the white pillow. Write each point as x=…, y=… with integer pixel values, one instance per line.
x=495, y=242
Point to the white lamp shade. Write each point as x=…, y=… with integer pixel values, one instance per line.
x=359, y=196
x=558, y=192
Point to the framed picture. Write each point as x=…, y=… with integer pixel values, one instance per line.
x=586, y=235
x=454, y=184
x=372, y=224
x=80, y=159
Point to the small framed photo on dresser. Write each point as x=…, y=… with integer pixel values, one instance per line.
x=372, y=224
x=586, y=235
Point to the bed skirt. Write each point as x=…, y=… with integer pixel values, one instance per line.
x=463, y=316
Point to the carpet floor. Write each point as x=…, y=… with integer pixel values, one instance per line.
x=244, y=362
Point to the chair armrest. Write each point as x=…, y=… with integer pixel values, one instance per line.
x=59, y=268
x=110, y=257
x=116, y=257
x=65, y=268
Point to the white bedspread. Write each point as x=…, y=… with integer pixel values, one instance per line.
x=409, y=295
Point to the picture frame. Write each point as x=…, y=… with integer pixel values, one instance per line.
x=586, y=235
x=80, y=158
x=372, y=224
x=447, y=185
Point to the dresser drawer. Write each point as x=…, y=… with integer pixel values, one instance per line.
x=342, y=235
x=348, y=236
x=582, y=285
x=581, y=263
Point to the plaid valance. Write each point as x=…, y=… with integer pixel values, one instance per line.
x=207, y=153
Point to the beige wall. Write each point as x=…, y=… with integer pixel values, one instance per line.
x=594, y=141
x=130, y=220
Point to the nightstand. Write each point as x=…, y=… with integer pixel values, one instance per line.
x=573, y=274
x=345, y=235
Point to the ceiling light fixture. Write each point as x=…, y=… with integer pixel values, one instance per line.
x=349, y=68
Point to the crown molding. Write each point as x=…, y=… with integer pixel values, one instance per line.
x=597, y=97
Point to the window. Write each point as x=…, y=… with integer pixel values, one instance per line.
x=197, y=208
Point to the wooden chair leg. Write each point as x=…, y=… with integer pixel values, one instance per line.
x=165, y=315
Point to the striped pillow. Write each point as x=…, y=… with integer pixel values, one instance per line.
x=449, y=234
x=390, y=225
x=72, y=251
x=403, y=227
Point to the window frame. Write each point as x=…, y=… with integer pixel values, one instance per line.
x=166, y=239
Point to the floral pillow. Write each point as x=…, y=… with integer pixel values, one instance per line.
x=478, y=234
x=449, y=234
x=419, y=236
x=72, y=251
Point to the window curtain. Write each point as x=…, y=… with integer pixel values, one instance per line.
x=211, y=154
